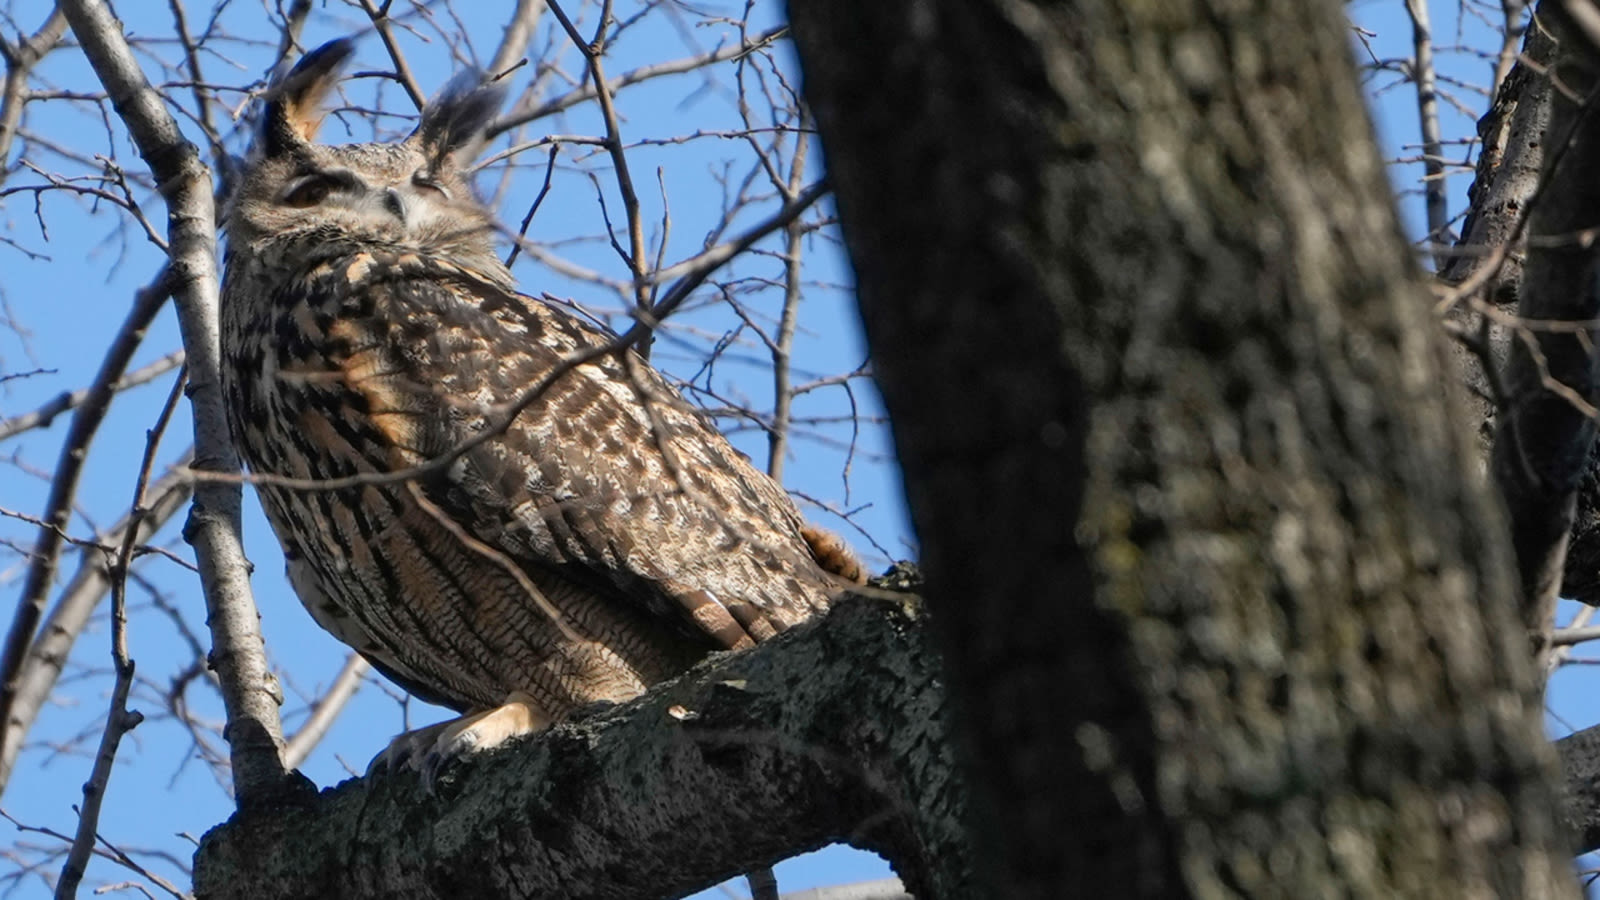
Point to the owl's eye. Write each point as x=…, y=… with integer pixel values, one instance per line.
x=423, y=180
x=308, y=193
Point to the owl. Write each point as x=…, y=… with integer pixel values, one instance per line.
x=573, y=532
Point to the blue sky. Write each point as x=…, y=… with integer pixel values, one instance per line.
x=73, y=301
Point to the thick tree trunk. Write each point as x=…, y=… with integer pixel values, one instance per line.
x=1225, y=606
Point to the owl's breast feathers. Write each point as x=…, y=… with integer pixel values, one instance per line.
x=607, y=521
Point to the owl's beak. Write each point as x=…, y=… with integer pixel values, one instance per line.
x=394, y=203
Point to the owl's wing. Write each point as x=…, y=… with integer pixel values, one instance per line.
x=606, y=479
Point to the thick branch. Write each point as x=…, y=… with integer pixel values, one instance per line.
x=249, y=690
x=832, y=732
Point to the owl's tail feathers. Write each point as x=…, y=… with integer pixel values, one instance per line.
x=833, y=554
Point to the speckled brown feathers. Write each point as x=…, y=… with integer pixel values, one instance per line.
x=602, y=541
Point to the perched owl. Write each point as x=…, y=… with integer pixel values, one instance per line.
x=604, y=540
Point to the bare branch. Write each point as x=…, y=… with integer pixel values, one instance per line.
x=593, y=51
x=325, y=712
x=643, y=73
x=519, y=31
x=120, y=720
x=255, y=736
x=402, y=71
x=20, y=60
x=783, y=345
x=885, y=889
x=86, y=421
x=71, y=612
x=1423, y=76
x=46, y=413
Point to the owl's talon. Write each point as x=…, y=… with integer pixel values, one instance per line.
x=430, y=749
x=429, y=771
x=403, y=752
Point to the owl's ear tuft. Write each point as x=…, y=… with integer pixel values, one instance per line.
x=294, y=108
x=453, y=123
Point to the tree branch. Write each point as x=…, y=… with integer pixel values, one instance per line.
x=1424, y=79
x=832, y=732
x=77, y=601
x=325, y=711
x=1544, y=435
x=586, y=92
x=19, y=61
x=249, y=689
x=85, y=424
x=47, y=412
x=519, y=31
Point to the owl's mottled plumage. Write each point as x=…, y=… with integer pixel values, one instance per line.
x=604, y=541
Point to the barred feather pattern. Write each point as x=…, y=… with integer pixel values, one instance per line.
x=605, y=540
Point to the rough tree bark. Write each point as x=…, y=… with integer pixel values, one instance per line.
x=833, y=732
x=1546, y=428
x=1226, y=608
x=1513, y=178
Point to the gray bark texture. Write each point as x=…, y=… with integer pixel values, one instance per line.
x=1581, y=575
x=1511, y=178
x=1511, y=155
x=1545, y=429
x=1512, y=181
x=1580, y=759
x=832, y=732
x=1226, y=609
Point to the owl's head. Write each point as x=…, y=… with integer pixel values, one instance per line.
x=410, y=195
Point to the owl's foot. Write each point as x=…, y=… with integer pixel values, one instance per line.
x=428, y=750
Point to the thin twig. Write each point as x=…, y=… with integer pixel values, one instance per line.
x=593, y=50
x=120, y=720
x=402, y=72
x=86, y=421
x=634, y=76
x=519, y=31
x=47, y=412
x=544, y=191
x=1423, y=76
